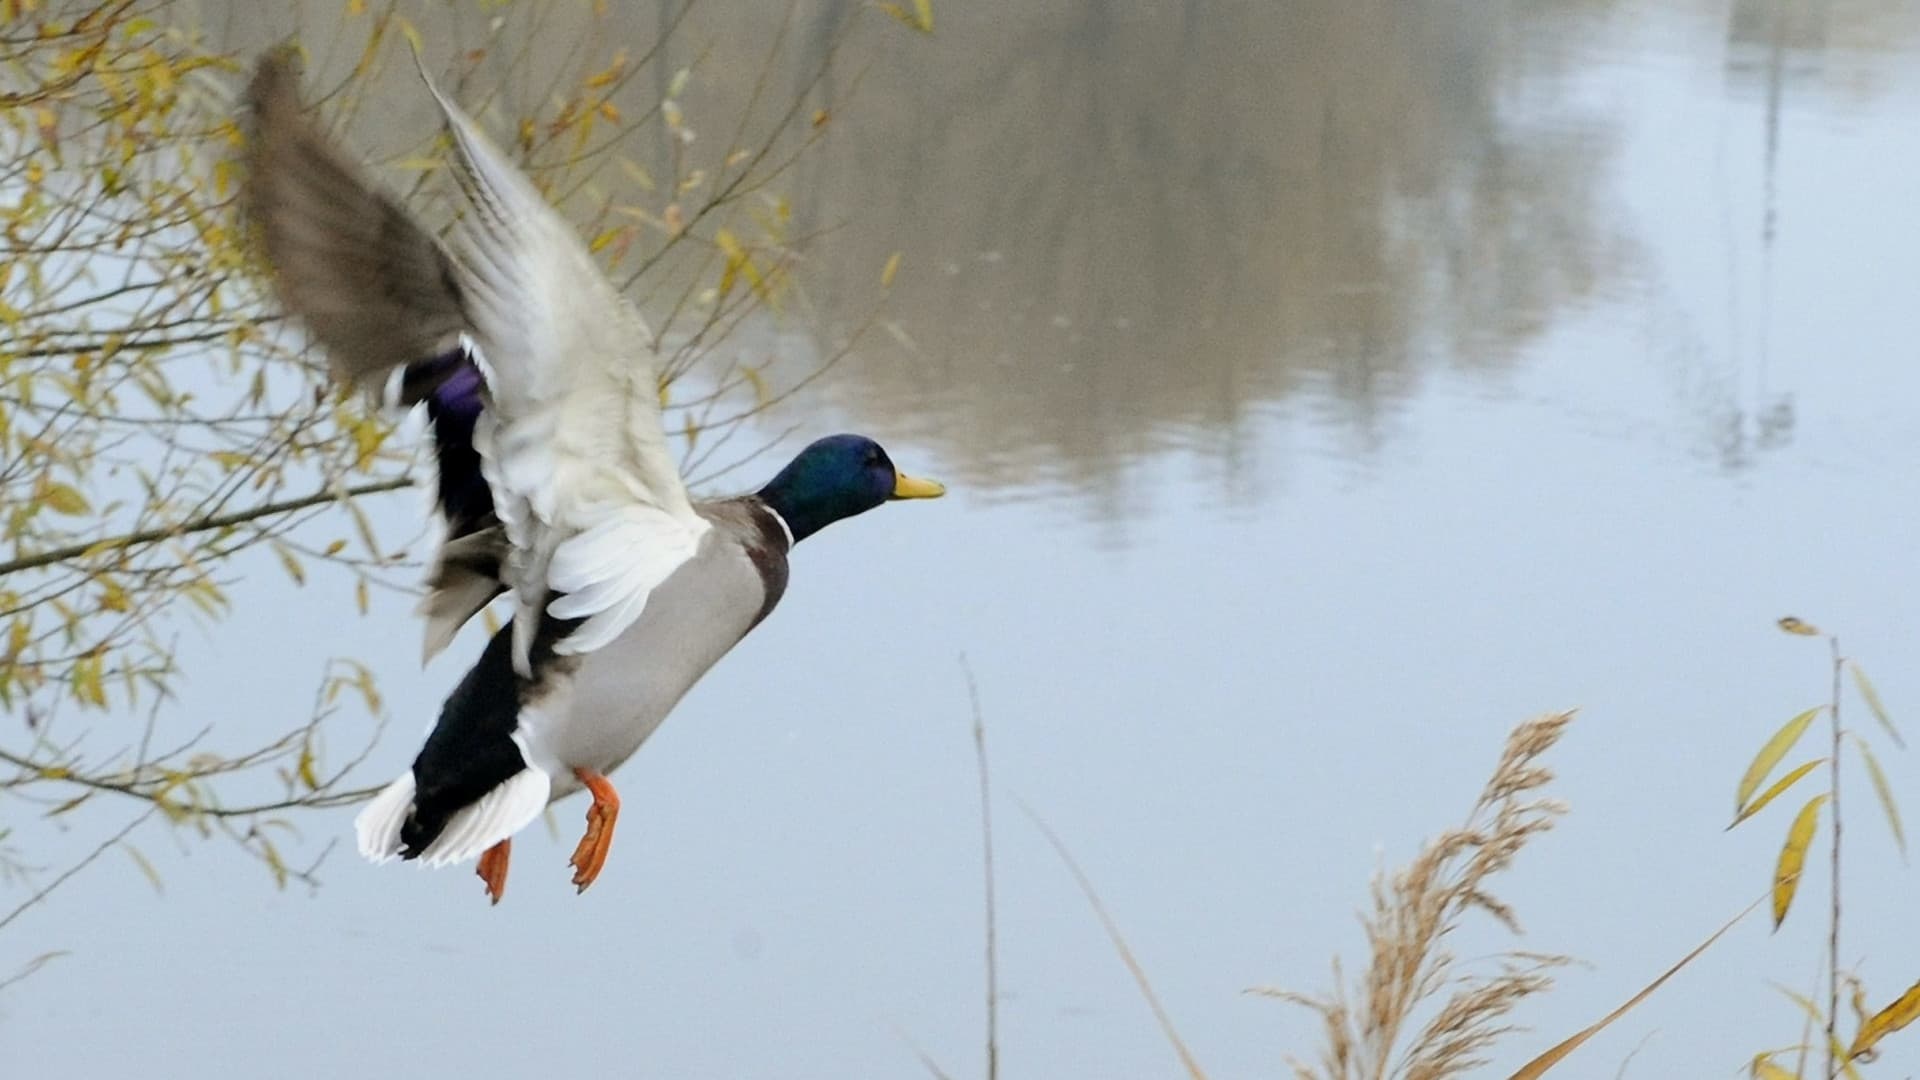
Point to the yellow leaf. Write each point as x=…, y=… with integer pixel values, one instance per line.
x=335, y=548
x=360, y=598
x=1902, y=1012
x=611, y=72
x=274, y=863
x=740, y=263
x=582, y=132
x=367, y=438
x=1763, y=1068
x=1793, y=857
x=287, y=559
x=356, y=7
x=368, y=692
x=762, y=393
x=609, y=112
x=365, y=529
x=736, y=257
x=892, y=268
x=65, y=500
x=1538, y=1067
x=1779, y=787
x=88, y=684
x=306, y=770
x=920, y=18
x=1885, y=791
x=1794, y=626
x=146, y=868
x=114, y=598
x=1872, y=698
x=637, y=173
x=372, y=50
x=1770, y=755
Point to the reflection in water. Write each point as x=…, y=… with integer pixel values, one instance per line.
x=1130, y=231
x=1129, y=227
x=1815, y=46
x=1811, y=51
x=1134, y=228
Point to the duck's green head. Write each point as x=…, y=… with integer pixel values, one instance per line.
x=837, y=477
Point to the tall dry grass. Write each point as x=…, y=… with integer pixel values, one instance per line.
x=1417, y=1012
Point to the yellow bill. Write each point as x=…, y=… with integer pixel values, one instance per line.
x=912, y=487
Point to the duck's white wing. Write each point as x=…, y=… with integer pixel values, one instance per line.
x=572, y=446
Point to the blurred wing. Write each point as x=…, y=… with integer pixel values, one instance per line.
x=371, y=285
x=591, y=499
x=378, y=292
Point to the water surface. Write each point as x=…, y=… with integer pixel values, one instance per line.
x=1324, y=387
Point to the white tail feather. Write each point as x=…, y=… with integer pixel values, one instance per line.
x=378, y=826
x=499, y=814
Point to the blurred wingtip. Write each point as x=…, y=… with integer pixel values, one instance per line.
x=276, y=79
x=420, y=65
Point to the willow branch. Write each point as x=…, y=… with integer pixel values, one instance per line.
x=204, y=524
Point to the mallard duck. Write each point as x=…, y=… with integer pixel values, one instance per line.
x=555, y=483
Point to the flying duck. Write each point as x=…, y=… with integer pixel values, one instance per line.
x=554, y=480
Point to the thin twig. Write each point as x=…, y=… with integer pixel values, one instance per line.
x=1119, y=944
x=1806, y=1025
x=110, y=842
x=926, y=1060
x=32, y=966
x=215, y=521
x=986, y=847
x=1833, y=910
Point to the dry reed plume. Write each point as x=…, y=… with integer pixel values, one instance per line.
x=1370, y=1026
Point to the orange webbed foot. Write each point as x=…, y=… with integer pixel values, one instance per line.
x=493, y=869
x=591, y=854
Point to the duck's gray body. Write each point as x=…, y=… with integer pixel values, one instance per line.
x=597, y=714
x=507, y=744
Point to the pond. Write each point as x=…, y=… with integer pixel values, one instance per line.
x=1323, y=388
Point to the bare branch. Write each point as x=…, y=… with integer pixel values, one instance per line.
x=203, y=524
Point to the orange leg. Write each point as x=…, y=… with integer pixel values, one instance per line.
x=493, y=869
x=591, y=855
